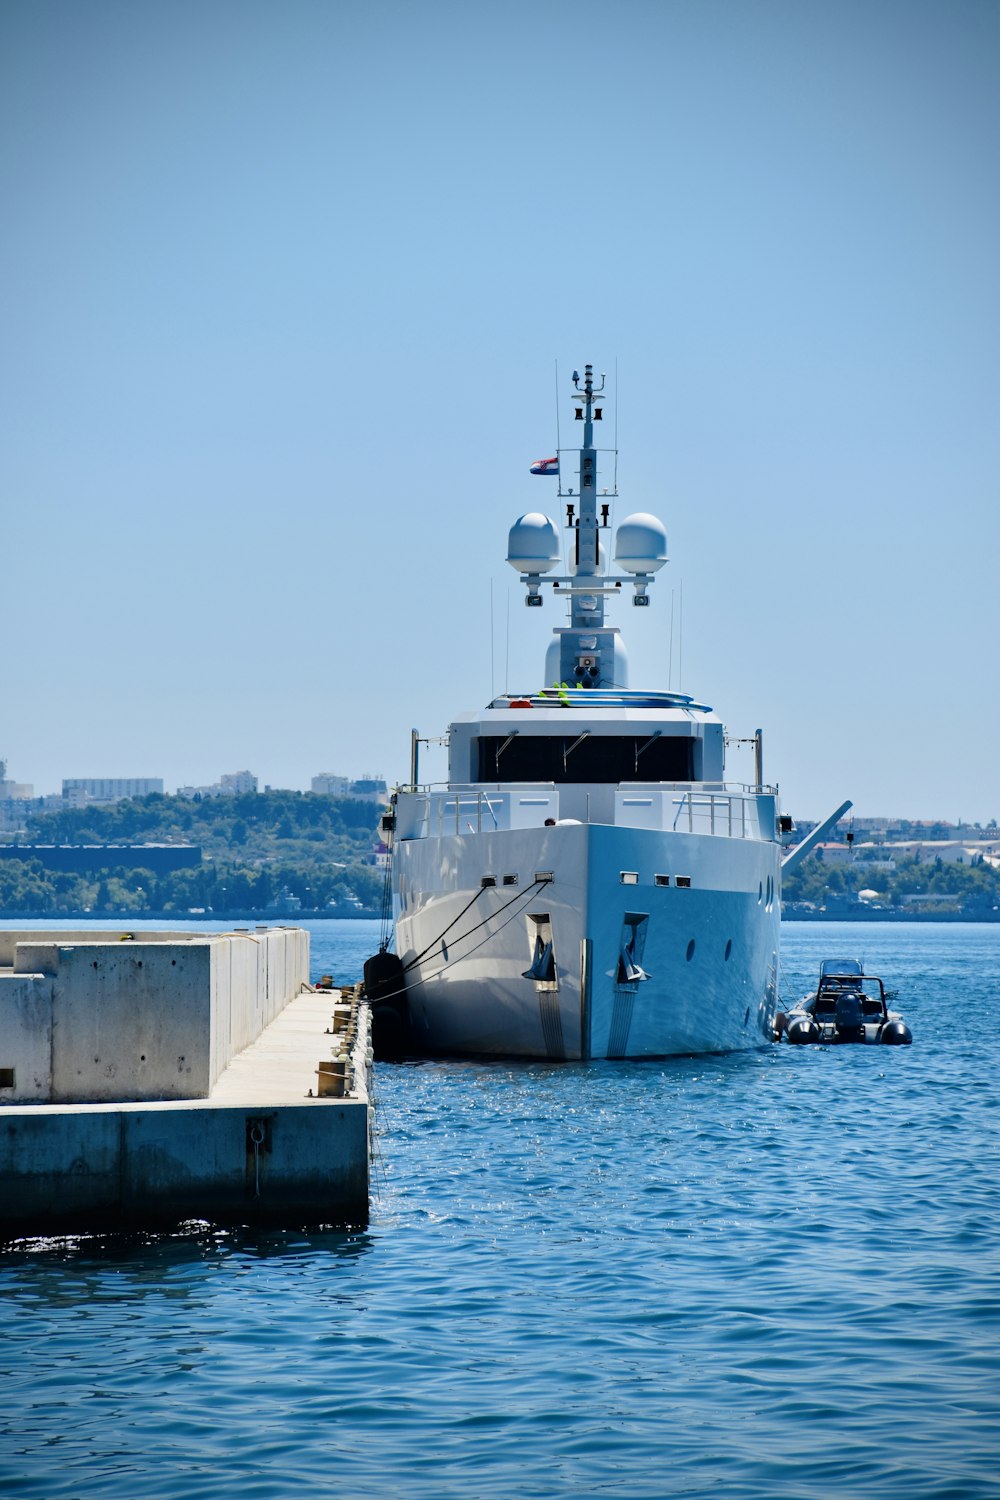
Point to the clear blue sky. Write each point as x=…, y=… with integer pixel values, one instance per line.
x=282, y=291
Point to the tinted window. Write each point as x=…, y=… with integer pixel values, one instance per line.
x=599, y=758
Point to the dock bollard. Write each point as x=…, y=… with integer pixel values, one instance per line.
x=331, y=1077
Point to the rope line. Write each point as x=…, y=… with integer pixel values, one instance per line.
x=446, y=930
x=525, y=895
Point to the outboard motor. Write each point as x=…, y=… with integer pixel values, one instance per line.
x=850, y=1023
x=385, y=990
x=896, y=1034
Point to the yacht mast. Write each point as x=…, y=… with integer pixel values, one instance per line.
x=587, y=609
x=587, y=653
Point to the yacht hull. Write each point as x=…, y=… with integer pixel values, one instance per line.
x=639, y=965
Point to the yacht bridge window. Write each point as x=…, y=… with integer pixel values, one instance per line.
x=587, y=757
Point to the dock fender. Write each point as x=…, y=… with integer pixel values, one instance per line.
x=385, y=990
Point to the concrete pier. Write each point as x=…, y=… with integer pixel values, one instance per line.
x=159, y=1078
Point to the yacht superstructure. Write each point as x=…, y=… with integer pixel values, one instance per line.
x=587, y=884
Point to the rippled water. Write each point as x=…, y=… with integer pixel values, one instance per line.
x=772, y=1274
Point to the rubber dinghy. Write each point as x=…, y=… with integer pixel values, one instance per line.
x=847, y=1005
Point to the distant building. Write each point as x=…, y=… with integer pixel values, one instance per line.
x=365, y=789
x=885, y=856
x=16, y=791
x=326, y=784
x=82, y=791
x=369, y=789
x=13, y=791
x=236, y=784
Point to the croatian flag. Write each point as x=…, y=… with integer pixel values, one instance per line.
x=545, y=466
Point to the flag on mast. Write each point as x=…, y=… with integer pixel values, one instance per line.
x=545, y=466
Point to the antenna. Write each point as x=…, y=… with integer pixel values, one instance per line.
x=493, y=676
x=617, y=404
x=506, y=670
x=670, y=657
x=558, y=443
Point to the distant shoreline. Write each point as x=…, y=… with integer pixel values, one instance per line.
x=262, y=919
x=285, y=919
x=879, y=914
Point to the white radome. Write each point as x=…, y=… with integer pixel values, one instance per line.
x=641, y=543
x=533, y=544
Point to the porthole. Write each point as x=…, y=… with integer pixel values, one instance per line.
x=729, y=950
x=689, y=954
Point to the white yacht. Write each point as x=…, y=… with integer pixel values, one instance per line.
x=586, y=884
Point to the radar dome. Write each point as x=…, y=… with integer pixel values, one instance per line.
x=641, y=543
x=533, y=544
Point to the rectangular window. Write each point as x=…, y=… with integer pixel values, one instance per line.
x=606, y=758
x=661, y=879
x=629, y=877
x=684, y=881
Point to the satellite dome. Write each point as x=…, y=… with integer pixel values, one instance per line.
x=641, y=543
x=533, y=544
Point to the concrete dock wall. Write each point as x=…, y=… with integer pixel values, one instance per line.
x=88, y=1020
x=98, y=1167
x=283, y=1136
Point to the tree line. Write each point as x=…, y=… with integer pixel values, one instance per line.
x=974, y=887
x=258, y=851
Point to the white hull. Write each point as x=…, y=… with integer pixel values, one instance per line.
x=710, y=949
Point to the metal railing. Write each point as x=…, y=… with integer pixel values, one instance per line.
x=732, y=810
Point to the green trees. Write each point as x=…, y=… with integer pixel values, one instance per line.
x=319, y=849
x=974, y=886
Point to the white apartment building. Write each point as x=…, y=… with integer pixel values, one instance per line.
x=326, y=784
x=237, y=784
x=16, y=791
x=232, y=784
x=80, y=790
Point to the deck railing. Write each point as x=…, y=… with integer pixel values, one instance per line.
x=723, y=808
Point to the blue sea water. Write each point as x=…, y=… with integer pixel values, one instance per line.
x=768, y=1274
